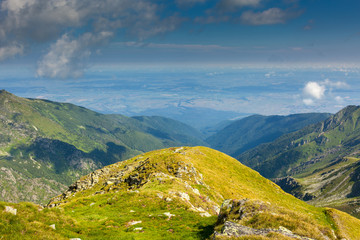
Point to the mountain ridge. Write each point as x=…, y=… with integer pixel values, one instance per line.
x=63, y=141
x=249, y=132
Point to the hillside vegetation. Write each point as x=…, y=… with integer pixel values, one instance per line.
x=46, y=145
x=175, y=193
x=323, y=158
x=249, y=132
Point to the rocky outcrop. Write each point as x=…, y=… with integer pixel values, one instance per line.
x=132, y=176
x=231, y=229
x=292, y=186
x=233, y=211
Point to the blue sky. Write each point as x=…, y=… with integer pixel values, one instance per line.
x=64, y=43
x=62, y=38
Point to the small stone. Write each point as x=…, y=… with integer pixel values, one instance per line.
x=184, y=196
x=10, y=210
x=168, y=199
x=285, y=230
x=205, y=214
x=132, y=211
x=134, y=222
x=53, y=226
x=196, y=191
x=75, y=238
x=92, y=204
x=109, y=183
x=169, y=215
x=138, y=229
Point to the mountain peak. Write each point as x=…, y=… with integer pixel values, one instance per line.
x=347, y=111
x=4, y=92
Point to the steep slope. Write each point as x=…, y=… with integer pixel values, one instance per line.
x=310, y=148
x=175, y=194
x=323, y=158
x=249, y=132
x=46, y=145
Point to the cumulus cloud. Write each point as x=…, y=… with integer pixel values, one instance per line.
x=267, y=17
x=24, y=22
x=315, y=91
x=66, y=56
x=54, y=23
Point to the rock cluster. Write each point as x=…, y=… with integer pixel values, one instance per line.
x=233, y=211
x=231, y=229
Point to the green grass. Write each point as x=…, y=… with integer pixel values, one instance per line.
x=74, y=141
x=223, y=178
x=338, y=136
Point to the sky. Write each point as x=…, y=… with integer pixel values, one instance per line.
x=52, y=48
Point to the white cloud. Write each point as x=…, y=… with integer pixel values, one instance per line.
x=339, y=99
x=67, y=56
x=267, y=17
x=26, y=22
x=337, y=84
x=314, y=90
x=308, y=101
x=11, y=50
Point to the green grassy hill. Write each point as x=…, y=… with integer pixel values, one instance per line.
x=46, y=145
x=249, y=132
x=173, y=193
x=323, y=158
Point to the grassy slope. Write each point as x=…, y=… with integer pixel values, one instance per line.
x=252, y=131
x=109, y=215
x=43, y=141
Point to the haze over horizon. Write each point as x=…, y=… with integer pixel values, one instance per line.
x=137, y=57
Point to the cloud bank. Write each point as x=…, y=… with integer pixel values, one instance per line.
x=76, y=28
x=72, y=30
